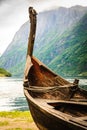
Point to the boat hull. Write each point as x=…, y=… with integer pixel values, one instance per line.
x=41, y=85
x=46, y=120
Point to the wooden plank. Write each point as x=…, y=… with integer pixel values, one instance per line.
x=27, y=66
x=78, y=121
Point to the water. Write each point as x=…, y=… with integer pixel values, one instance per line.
x=12, y=96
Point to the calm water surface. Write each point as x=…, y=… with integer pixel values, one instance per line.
x=12, y=96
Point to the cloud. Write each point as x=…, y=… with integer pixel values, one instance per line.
x=13, y=12
x=2, y=1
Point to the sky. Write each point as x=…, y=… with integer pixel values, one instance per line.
x=14, y=13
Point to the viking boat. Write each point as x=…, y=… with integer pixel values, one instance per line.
x=54, y=102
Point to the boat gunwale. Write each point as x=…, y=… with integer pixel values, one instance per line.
x=65, y=118
x=57, y=115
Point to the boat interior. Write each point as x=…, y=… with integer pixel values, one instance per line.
x=56, y=93
x=49, y=90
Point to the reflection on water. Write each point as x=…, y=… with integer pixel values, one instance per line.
x=12, y=96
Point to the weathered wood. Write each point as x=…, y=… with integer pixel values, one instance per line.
x=54, y=102
x=46, y=89
x=76, y=82
x=27, y=67
x=32, y=15
x=31, y=39
x=79, y=121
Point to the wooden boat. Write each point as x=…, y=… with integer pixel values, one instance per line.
x=55, y=103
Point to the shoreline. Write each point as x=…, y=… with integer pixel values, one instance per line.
x=16, y=120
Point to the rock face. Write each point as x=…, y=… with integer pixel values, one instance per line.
x=60, y=42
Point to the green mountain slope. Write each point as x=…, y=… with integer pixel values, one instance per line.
x=71, y=59
x=58, y=36
x=14, y=57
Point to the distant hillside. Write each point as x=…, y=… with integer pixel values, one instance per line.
x=71, y=58
x=4, y=73
x=60, y=35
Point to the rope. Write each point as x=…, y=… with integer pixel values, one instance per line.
x=49, y=89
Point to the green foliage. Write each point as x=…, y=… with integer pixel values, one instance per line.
x=69, y=56
x=3, y=72
x=61, y=47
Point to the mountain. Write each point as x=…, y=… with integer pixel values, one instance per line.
x=72, y=60
x=14, y=57
x=57, y=37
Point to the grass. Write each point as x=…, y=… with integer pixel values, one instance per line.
x=3, y=73
x=16, y=120
x=4, y=123
x=24, y=115
x=15, y=129
x=18, y=129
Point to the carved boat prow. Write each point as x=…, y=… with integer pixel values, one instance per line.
x=54, y=102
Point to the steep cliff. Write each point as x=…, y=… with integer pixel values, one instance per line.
x=59, y=34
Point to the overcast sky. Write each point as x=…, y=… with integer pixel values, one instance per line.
x=13, y=13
